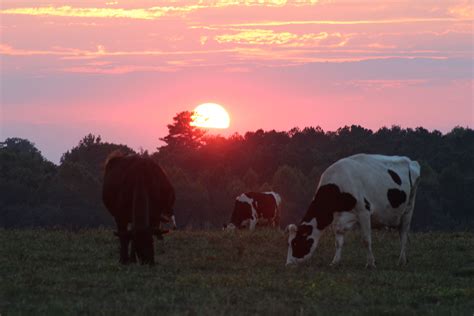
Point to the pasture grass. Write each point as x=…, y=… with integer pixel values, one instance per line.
x=57, y=272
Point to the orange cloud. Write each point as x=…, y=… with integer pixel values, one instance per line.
x=10, y=51
x=270, y=37
x=464, y=10
x=117, y=70
x=68, y=11
x=150, y=13
x=277, y=3
x=344, y=22
x=72, y=53
x=257, y=37
x=380, y=84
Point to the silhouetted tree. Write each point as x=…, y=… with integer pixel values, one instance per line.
x=181, y=134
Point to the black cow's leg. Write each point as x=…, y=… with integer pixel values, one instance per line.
x=124, y=238
x=133, y=251
x=144, y=246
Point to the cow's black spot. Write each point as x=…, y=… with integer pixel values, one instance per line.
x=328, y=200
x=396, y=197
x=301, y=244
x=367, y=204
x=242, y=211
x=395, y=177
x=264, y=204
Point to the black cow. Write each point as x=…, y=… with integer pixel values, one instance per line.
x=252, y=208
x=136, y=191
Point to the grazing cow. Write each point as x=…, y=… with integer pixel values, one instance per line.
x=368, y=190
x=136, y=191
x=252, y=208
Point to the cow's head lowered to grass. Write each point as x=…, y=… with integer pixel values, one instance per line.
x=303, y=239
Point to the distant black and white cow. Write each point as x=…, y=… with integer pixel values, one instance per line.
x=368, y=190
x=252, y=208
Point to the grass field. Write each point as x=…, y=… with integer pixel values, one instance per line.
x=211, y=272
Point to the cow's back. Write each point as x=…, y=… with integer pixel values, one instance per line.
x=265, y=203
x=117, y=184
x=381, y=184
x=125, y=176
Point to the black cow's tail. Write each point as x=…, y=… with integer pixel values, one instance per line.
x=141, y=228
x=140, y=209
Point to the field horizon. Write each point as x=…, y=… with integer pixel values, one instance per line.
x=55, y=271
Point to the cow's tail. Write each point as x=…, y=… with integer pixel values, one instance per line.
x=141, y=228
x=414, y=175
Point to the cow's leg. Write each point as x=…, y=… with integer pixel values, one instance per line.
x=339, y=244
x=133, y=252
x=364, y=222
x=276, y=218
x=124, y=238
x=405, y=226
x=144, y=246
x=343, y=221
x=403, y=232
x=253, y=224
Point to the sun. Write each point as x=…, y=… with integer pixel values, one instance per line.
x=210, y=115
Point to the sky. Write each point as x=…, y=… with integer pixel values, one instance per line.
x=123, y=69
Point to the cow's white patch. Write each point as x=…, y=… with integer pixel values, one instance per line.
x=244, y=199
x=344, y=221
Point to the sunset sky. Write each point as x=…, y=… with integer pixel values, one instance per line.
x=123, y=69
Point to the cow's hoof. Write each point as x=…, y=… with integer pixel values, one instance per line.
x=370, y=266
x=334, y=264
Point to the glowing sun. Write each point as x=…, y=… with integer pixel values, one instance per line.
x=210, y=115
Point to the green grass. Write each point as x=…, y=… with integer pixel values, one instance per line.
x=212, y=272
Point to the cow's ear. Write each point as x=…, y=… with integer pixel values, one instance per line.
x=291, y=229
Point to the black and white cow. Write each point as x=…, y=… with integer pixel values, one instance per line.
x=368, y=190
x=252, y=208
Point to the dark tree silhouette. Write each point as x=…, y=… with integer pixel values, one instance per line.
x=209, y=171
x=182, y=135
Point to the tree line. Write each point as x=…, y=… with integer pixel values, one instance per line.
x=208, y=172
